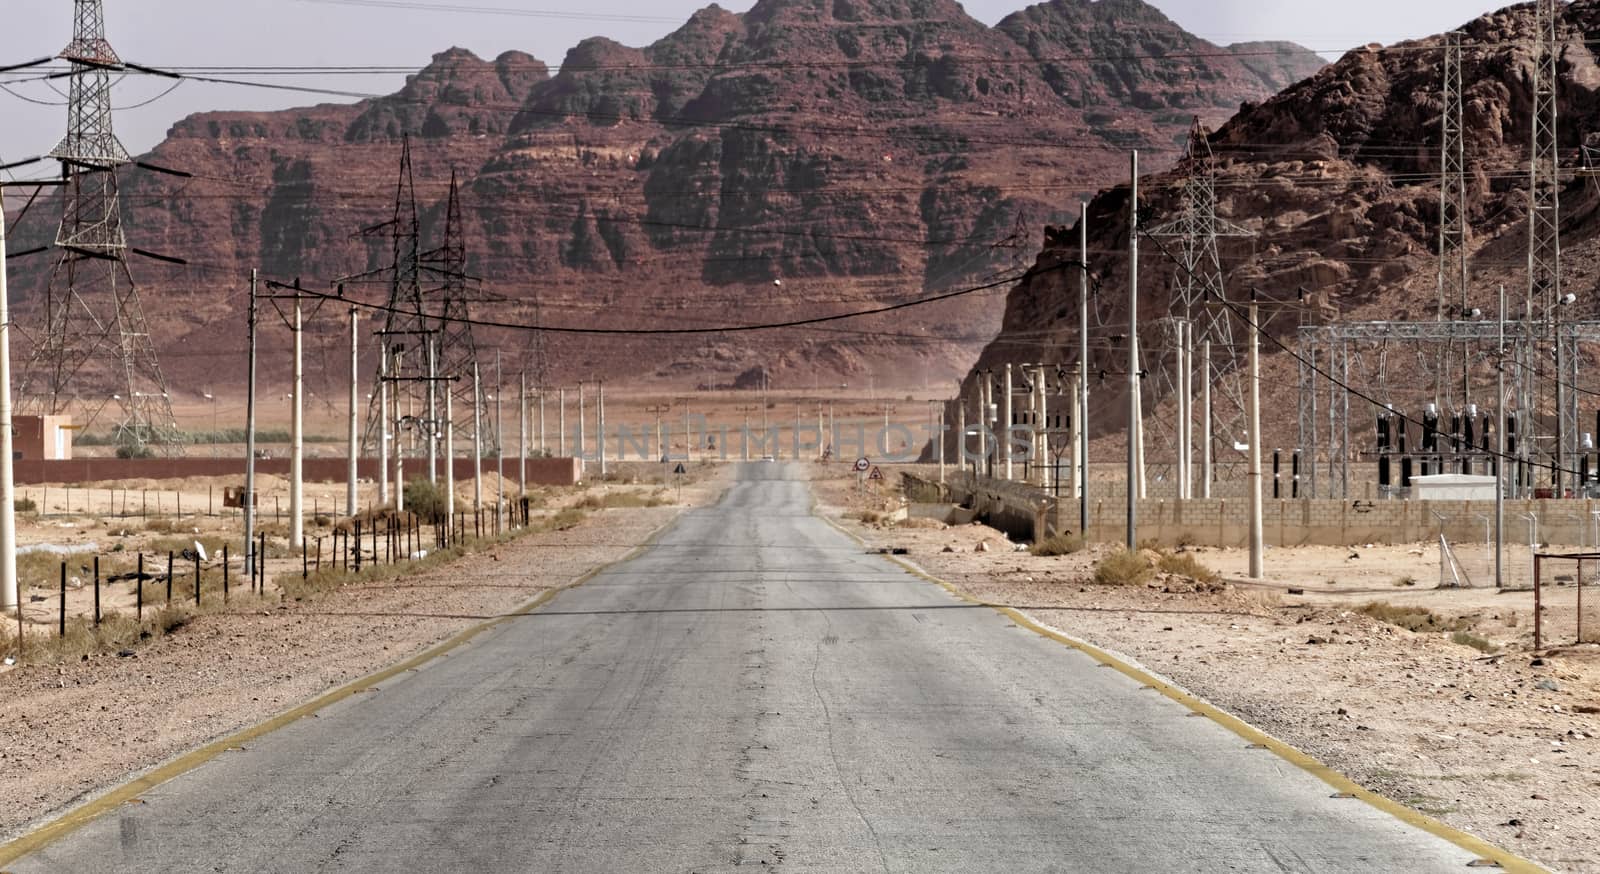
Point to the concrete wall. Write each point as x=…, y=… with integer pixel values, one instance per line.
x=1225, y=522
x=541, y=471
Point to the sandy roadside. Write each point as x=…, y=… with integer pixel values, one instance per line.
x=1503, y=746
x=69, y=731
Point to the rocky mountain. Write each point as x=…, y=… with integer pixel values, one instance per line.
x=1337, y=180
x=803, y=158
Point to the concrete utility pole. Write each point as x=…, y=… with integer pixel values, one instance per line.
x=583, y=437
x=985, y=415
x=1185, y=410
x=383, y=424
x=8, y=483
x=601, y=425
x=1257, y=537
x=1206, y=439
x=544, y=445
x=561, y=422
x=477, y=440
x=1083, y=370
x=249, y=438
x=297, y=435
x=431, y=432
x=351, y=472
x=449, y=453
x=939, y=410
x=522, y=432
x=1008, y=416
x=1041, y=421
x=1133, y=359
x=500, y=437
x=658, y=410
x=399, y=449
x=1500, y=450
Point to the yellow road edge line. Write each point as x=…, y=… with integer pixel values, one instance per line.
x=80, y=816
x=1507, y=860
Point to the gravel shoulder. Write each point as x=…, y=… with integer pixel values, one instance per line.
x=1504, y=746
x=70, y=731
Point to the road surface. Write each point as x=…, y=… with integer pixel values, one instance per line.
x=753, y=692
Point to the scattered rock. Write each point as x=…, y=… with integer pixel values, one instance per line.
x=1297, y=591
x=1548, y=686
x=982, y=547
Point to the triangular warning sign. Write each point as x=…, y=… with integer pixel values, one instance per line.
x=681, y=470
x=875, y=475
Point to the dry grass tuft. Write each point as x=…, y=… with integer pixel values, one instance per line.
x=1417, y=619
x=1061, y=544
x=1185, y=565
x=1481, y=644
x=1123, y=568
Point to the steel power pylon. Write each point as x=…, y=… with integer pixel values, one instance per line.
x=458, y=351
x=406, y=335
x=95, y=347
x=1201, y=289
x=1452, y=187
x=1544, y=215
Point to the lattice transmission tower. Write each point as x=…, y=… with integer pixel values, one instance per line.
x=406, y=336
x=458, y=351
x=1544, y=219
x=1201, y=289
x=95, y=348
x=1452, y=187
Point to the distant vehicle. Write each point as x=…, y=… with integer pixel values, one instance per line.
x=768, y=458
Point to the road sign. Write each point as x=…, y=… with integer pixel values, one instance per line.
x=863, y=465
x=876, y=475
x=681, y=469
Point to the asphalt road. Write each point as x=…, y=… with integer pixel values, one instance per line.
x=753, y=692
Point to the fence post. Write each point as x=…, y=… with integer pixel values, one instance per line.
x=224, y=573
x=357, y=555
x=1538, y=626
x=97, y=593
x=169, y=576
x=63, y=620
x=305, y=559
x=138, y=609
x=197, y=578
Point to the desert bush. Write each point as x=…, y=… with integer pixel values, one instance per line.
x=1418, y=619
x=1467, y=638
x=565, y=520
x=160, y=525
x=1123, y=568
x=25, y=505
x=1061, y=544
x=1184, y=564
x=428, y=499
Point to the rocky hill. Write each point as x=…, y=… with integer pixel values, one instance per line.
x=803, y=158
x=1337, y=179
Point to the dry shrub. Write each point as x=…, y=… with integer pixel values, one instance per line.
x=1123, y=568
x=565, y=520
x=1186, y=565
x=1061, y=544
x=1467, y=638
x=915, y=522
x=870, y=517
x=1418, y=619
x=161, y=525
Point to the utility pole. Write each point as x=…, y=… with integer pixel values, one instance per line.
x=522, y=433
x=1083, y=369
x=1007, y=417
x=477, y=440
x=939, y=409
x=432, y=431
x=1257, y=537
x=561, y=423
x=1544, y=214
x=544, y=445
x=745, y=437
x=601, y=424
x=1205, y=423
x=1133, y=359
x=583, y=442
x=499, y=437
x=449, y=453
x=661, y=436
x=383, y=423
x=297, y=433
x=354, y=442
x=8, y=483
x=249, y=438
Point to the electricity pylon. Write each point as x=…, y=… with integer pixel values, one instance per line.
x=458, y=351
x=96, y=346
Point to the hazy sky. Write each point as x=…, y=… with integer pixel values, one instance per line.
x=362, y=32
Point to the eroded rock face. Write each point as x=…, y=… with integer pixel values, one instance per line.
x=1337, y=177
x=854, y=151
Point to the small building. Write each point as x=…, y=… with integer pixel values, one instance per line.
x=46, y=438
x=1453, y=487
